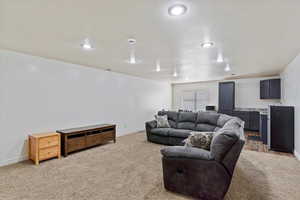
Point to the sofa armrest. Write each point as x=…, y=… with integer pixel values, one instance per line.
x=151, y=124
x=186, y=152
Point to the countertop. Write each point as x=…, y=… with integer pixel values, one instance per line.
x=262, y=111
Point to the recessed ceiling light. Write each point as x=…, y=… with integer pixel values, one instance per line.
x=157, y=66
x=86, y=45
x=177, y=10
x=220, y=58
x=207, y=45
x=132, y=59
x=227, y=68
x=175, y=74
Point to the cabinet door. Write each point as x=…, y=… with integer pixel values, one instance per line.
x=227, y=112
x=264, y=89
x=254, y=121
x=263, y=128
x=275, y=89
x=282, y=128
x=226, y=96
x=245, y=116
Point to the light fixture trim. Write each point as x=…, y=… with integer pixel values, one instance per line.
x=131, y=41
x=177, y=10
x=158, y=66
x=227, y=68
x=175, y=74
x=132, y=60
x=86, y=45
x=220, y=58
x=207, y=45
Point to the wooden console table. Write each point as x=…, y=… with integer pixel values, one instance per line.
x=75, y=139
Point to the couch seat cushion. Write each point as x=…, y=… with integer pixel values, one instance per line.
x=161, y=131
x=181, y=133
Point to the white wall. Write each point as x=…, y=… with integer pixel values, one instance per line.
x=41, y=95
x=247, y=93
x=291, y=95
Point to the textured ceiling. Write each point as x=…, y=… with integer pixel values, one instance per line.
x=256, y=37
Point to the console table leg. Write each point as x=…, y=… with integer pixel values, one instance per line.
x=65, y=145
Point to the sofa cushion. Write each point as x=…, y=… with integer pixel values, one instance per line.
x=234, y=124
x=223, y=119
x=186, y=120
x=216, y=129
x=181, y=133
x=186, y=152
x=222, y=142
x=199, y=139
x=205, y=127
x=226, y=137
x=207, y=118
x=172, y=117
x=162, y=121
x=160, y=131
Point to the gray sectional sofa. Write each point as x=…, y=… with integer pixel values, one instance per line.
x=196, y=172
x=182, y=124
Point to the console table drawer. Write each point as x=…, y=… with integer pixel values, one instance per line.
x=75, y=144
x=109, y=135
x=48, y=153
x=48, y=142
x=93, y=140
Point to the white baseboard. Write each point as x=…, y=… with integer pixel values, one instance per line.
x=13, y=160
x=25, y=157
x=297, y=154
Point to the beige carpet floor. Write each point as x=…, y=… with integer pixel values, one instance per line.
x=131, y=169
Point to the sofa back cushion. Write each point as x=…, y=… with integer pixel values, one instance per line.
x=186, y=120
x=172, y=117
x=206, y=121
x=224, y=139
x=223, y=119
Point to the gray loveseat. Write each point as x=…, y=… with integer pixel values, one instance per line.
x=197, y=172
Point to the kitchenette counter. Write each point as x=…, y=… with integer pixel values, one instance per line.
x=262, y=111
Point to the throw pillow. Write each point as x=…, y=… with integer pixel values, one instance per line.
x=199, y=139
x=162, y=121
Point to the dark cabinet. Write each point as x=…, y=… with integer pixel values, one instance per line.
x=270, y=89
x=251, y=119
x=226, y=96
x=263, y=128
x=282, y=128
x=245, y=116
x=254, y=121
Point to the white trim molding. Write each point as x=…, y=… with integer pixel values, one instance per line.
x=13, y=160
x=297, y=155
